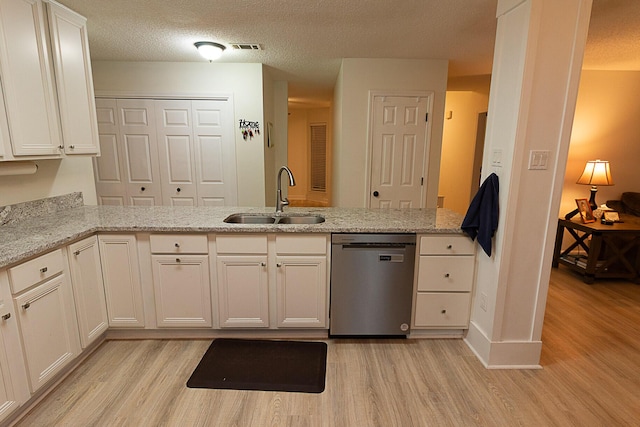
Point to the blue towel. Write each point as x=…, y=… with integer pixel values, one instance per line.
x=481, y=220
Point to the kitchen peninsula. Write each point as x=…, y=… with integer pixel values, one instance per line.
x=24, y=238
x=72, y=276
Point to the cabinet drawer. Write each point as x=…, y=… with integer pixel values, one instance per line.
x=179, y=243
x=38, y=269
x=445, y=273
x=446, y=245
x=249, y=244
x=440, y=309
x=294, y=245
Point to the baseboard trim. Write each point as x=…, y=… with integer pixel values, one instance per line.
x=139, y=334
x=503, y=354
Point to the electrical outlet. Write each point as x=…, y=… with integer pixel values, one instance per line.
x=483, y=301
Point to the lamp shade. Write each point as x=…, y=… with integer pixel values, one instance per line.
x=596, y=172
x=210, y=50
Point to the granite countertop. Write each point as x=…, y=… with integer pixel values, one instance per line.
x=22, y=239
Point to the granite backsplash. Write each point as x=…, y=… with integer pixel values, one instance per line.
x=12, y=213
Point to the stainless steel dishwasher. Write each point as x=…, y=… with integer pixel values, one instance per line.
x=371, y=284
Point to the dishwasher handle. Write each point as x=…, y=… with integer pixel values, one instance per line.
x=377, y=245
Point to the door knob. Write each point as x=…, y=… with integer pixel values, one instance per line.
x=376, y=194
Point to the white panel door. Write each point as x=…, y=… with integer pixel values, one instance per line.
x=136, y=121
x=108, y=169
x=88, y=289
x=74, y=81
x=243, y=291
x=302, y=291
x=182, y=290
x=175, y=146
x=399, y=141
x=49, y=331
x=14, y=390
x=27, y=80
x=215, y=152
x=122, y=286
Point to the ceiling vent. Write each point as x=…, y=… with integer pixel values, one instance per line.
x=246, y=46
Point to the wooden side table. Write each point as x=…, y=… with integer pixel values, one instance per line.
x=610, y=251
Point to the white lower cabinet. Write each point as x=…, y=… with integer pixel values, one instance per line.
x=243, y=281
x=88, y=289
x=290, y=270
x=444, y=282
x=122, y=286
x=14, y=390
x=181, y=280
x=301, y=281
x=47, y=319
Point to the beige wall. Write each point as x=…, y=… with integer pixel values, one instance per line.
x=356, y=79
x=458, y=147
x=243, y=81
x=299, y=121
x=53, y=178
x=606, y=127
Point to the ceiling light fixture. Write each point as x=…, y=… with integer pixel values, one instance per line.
x=210, y=50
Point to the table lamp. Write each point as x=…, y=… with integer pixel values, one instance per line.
x=596, y=172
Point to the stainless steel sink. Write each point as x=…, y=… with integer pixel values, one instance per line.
x=248, y=218
x=300, y=219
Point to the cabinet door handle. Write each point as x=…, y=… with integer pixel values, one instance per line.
x=72, y=146
x=60, y=147
x=43, y=270
x=449, y=246
x=279, y=264
x=142, y=188
x=26, y=305
x=263, y=264
x=178, y=260
x=6, y=316
x=446, y=275
x=177, y=245
x=178, y=189
x=443, y=311
x=76, y=253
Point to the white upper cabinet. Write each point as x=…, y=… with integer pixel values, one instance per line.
x=46, y=82
x=27, y=82
x=70, y=50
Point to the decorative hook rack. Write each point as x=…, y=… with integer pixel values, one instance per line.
x=249, y=129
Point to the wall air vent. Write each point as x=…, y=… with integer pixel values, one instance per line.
x=246, y=46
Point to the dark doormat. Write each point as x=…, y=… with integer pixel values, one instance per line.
x=236, y=364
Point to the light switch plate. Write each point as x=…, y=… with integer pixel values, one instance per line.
x=496, y=157
x=538, y=159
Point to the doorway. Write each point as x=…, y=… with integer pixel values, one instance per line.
x=398, y=143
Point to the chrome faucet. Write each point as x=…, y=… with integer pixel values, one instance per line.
x=280, y=202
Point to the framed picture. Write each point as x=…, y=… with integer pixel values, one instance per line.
x=611, y=216
x=586, y=214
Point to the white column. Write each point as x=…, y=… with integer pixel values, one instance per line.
x=536, y=69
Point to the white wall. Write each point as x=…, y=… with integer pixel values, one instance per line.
x=458, y=147
x=53, y=178
x=243, y=81
x=351, y=124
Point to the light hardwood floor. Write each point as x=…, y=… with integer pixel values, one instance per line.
x=590, y=377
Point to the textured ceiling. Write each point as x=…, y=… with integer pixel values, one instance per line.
x=304, y=40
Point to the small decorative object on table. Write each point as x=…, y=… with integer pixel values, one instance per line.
x=586, y=214
x=609, y=217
